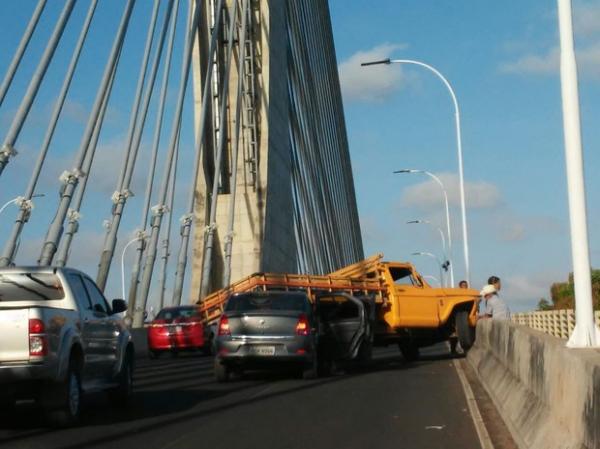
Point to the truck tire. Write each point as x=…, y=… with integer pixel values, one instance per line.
x=410, y=351
x=69, y=396
x=465, y=333
x=222, y=372
x=121, y=395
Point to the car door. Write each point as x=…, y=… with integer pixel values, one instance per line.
x=87, y=328
x=418, y=305
x=343, y=324
x=105, y=329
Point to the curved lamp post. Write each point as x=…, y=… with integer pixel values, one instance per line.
x=448, y=231
x=433, y=256
x=458, y=144
x=447, y=263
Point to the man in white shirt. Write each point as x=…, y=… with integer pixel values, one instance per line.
x=495, y=307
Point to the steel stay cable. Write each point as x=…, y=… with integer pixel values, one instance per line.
x=71, y=179
x=10, y=140
x=25, y=207
x=14, y=65
x=136, y=128
x=159, y=209
x=236, y=144
x=74, y=214
x=154, y=156
x=187, y=220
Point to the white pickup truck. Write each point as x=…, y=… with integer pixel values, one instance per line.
x=60, y=339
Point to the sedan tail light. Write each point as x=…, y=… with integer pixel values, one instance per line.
x=38, y=345
x=224, y=326
x=303, y=326
x=158, y=323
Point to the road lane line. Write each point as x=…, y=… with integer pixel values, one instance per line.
x=484, y=437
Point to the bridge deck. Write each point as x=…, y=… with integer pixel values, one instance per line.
x=178, y=405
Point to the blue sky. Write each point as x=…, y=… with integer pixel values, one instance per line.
x=500, y=57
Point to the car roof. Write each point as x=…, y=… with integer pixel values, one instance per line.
x=38, y=269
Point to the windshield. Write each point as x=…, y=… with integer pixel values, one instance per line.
x=178, y=313
x=30, y=287
x=247, y=303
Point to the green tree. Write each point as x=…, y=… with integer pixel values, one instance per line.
x=543, y=304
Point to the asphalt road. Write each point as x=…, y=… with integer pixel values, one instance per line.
x=178, y=405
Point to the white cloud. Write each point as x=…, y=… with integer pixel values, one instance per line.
x=586, y=18
x=531, y=288
x=586, y=25
x=370, y=84
x=535, y=64
x=427, y=195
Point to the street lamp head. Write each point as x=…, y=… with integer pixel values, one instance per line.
x=383, y=61
x=408, y=170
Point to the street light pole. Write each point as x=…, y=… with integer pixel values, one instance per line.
x=448, y=231
x=446, y=258
x=585, y=334
x=123, y=262
x=458, y=145
x=433, y=256
x=433, y=278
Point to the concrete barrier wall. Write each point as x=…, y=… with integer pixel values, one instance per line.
x=548, y=395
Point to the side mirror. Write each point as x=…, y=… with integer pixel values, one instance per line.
x=118, y=306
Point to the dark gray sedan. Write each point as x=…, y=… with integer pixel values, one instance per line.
x=265, y=329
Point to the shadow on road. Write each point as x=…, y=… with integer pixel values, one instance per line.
x=172, y=390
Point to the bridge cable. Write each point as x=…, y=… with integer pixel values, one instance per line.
x=187, y=220
x=8, y=146
x=159, y=210
x=74, y=214
x=123, y=191
x=26, y=205
x=236, y=141
x=14, y=64
x=141, y=244
x=166, y=242
x=71, y=178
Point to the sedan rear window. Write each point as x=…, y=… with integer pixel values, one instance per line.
x=30, y=287
x=248, y=303
x=172, y=314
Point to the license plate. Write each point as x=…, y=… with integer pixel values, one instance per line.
x=262, y=350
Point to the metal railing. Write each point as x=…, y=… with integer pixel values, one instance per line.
x=559, y=323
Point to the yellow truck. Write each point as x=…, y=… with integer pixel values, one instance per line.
x=408, y=311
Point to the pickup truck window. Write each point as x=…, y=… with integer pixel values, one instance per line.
x=402, y=276
x=79, y=291
x=179, y=312
x=30, y=287
x=99, y=304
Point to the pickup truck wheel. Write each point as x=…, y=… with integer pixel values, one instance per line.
x=121, y=395
x=466, y=333
x=222, y=372
x=69, y=396
x=410, y=351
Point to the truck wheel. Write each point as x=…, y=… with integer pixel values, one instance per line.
x=69, y=396
x=466, y=333
x=121, y=395
x=410, y=351
x=222, y=372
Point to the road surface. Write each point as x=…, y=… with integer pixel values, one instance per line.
x=178, y=405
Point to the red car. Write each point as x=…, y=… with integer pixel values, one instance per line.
x=177, y=329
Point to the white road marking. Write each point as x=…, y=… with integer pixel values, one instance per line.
x=484, y=437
